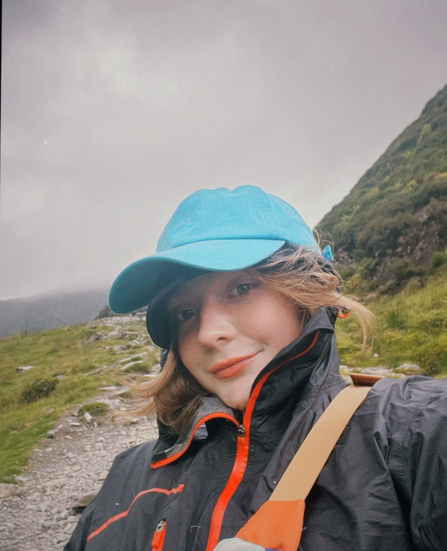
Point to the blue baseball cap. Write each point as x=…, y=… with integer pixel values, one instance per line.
x=211, y=230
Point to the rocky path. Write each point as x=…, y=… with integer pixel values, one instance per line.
x=40, y=516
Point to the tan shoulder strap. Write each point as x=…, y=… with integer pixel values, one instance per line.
x=278, y=523
x=318, y=444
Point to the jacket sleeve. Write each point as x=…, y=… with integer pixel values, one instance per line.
x=418, y=428
x=78, y=538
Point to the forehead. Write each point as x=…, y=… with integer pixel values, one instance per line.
x=208, y=283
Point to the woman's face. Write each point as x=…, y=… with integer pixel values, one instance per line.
x=229, y=326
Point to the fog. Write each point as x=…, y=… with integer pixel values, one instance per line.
x=112, y=112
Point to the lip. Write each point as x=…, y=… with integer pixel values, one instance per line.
x=230, y=368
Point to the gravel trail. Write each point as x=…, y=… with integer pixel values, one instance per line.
x=64, y=468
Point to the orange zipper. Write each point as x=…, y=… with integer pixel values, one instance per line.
x=236, y=475
x=240, y=462
x=159, y=536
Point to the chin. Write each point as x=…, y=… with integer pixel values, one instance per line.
x=235, y=402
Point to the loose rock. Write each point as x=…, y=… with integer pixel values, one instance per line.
x=25, y=368
x=41, y=513
x=10, y=490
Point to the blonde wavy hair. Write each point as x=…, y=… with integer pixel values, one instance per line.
x=304, y=278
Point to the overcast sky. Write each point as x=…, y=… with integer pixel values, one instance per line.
x=113, y=111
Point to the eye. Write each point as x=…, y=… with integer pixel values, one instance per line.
x=184, y=315
x=241, y=289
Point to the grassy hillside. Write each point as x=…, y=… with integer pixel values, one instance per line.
x=71, y=364
x=394, y=220
x=390, y=240
x=411, y=326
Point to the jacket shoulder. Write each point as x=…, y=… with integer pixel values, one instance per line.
x=400, y=403
x=413, y=392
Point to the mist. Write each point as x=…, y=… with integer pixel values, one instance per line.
x=113, y=112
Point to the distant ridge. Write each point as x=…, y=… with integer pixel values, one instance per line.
x=48, y=311
x=394, y=220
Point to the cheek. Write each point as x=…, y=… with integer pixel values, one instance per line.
x=277, y=324
x=187, y=351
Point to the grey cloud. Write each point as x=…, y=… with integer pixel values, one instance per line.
x=113, y=112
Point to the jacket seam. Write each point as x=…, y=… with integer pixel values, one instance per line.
x=124, y=514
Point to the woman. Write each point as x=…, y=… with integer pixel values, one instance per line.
x=245, y=302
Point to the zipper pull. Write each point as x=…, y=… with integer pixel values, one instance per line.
x=241, y=431
x=159, y=536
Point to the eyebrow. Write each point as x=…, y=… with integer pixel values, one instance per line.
x=175, y=297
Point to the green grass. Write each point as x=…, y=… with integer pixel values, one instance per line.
x=81, y=369
x=412, y=328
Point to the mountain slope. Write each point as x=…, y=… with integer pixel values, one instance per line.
x=395, y=218
x=48, y=311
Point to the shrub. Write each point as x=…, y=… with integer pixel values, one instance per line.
x=432, y=320
x=403, y=269
x=105, y=313
x=38, y=390
x=137, y=368
x=406, y=144
x=366, y=268
x=437, y=260
x=432, y=360
x=358, y=255
x=96, y=409
x=346, y=273
x=395, y=319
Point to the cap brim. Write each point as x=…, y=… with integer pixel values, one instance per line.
x=136, y=285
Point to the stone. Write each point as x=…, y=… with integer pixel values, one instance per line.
x=115, y=335
x=46, y=525
x=95, y=337
x=409, y=369
x=60, y=482
x=10, y=490
x=25, y=368
x=22, y=479
x=80, y=504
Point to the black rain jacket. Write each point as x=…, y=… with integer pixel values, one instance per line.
x=384, y=487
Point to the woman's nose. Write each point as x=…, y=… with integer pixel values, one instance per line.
x=216, y=325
